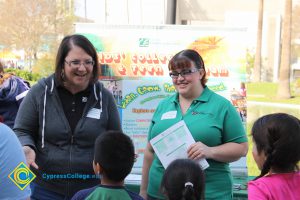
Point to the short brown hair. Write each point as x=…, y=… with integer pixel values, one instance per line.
x=185, y=58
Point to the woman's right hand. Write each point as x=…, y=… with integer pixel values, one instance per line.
x=30, y=156
x=143, y=193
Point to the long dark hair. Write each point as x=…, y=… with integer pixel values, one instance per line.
x=183, y=180
x=66, y=45
x=278, y=136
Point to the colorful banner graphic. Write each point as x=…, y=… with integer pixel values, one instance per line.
x=134, y=67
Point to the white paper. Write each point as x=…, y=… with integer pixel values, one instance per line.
x=173, y=144
x=134, y=177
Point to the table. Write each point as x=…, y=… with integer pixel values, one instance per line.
x=239, y=187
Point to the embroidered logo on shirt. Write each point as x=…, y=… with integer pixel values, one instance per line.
x=84, y=99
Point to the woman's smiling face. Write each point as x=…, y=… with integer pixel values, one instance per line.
x=78, y=70
x=187, y=80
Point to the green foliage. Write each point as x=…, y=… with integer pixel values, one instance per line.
x=44, y=66
x=24, y=74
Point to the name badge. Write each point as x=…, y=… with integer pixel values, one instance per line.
x=169, y=115
x=94, y=113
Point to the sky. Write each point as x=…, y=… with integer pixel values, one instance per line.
x=121, y=11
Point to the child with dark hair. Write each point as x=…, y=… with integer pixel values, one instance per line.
x=113, y=161
x=276, y=151
x=183, y=180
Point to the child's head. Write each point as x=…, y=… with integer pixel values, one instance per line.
x=114, y=155
x=183, y=180
x=276, y=143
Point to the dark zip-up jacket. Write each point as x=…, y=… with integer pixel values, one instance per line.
x=42, y=124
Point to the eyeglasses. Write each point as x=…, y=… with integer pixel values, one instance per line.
x=77, y=63
x=183, y=73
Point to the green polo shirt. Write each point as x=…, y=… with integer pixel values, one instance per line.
x=211, y=119
x=106, y=193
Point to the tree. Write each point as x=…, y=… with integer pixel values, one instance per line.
x=284, y=71
x=257, y=61
x=32, y=26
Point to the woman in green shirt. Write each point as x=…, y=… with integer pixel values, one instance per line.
x=212, y=120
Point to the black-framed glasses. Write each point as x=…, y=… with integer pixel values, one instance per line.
x=184, y=73
x=77, y=63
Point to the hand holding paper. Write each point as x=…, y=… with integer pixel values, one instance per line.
x=199, y=150
x=173, y=144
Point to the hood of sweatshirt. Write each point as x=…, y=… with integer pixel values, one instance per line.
x=12, y=88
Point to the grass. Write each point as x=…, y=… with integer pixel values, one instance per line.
x=265, y=92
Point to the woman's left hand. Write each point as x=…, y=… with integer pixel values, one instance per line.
x=199, y=150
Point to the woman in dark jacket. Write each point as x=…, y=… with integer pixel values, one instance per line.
x=60, y=119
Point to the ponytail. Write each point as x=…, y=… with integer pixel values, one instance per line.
x=188, y=192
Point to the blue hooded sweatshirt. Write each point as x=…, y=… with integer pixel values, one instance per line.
x=12, y=92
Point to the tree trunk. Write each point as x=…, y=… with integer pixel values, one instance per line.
x=257, y=61
x=284, y=71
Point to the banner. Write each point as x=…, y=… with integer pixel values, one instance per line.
x=134, y=67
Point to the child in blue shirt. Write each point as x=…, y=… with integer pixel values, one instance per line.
x=11, y=155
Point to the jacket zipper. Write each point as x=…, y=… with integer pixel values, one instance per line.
x=87, y=107
x=70, y=159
